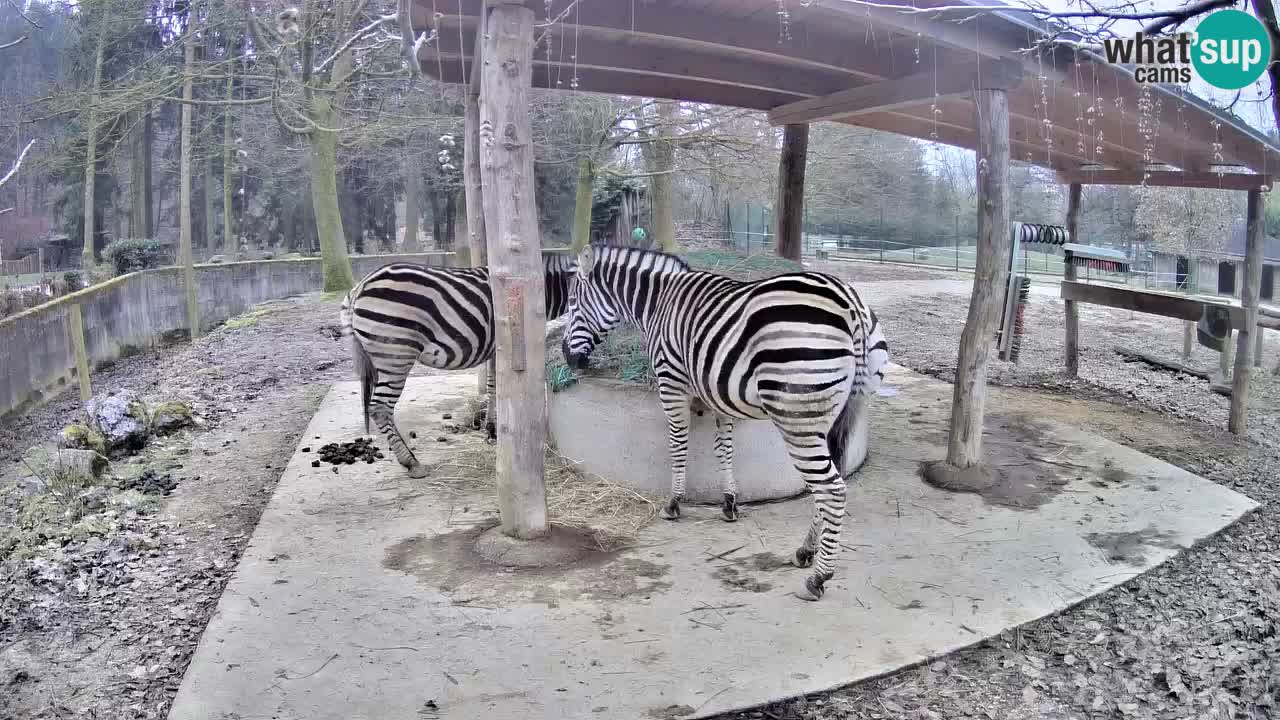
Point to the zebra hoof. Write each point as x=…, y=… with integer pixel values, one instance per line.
x=730, y=508
x=418, y=470
x=813, y=589
x=671, y=511
x=491, y=431
x=803, y=558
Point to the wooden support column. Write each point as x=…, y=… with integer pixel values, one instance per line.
x=965, y=447
x=75, y=326
x=791, y=166
x=472, y=189
x=1069, y=273
x=1249, y=301
x=515, y=263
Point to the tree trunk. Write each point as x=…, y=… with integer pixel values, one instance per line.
x=662, y=183
x=228, y=171
x=91, y=148
x=148, y=153
x=471, y=177
x=582, y=205
x=437, y=227
x=515, y=261
x=210, y=224
x=989, y=280
x=412, y=190
x=450, y=225
x=139, y=213
x=324, y=200
x=184, y=189
x=791, y=167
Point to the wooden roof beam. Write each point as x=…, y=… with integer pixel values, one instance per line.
x=917, y=89
x=1167, y=178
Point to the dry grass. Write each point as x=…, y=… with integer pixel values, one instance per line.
x=612, y=514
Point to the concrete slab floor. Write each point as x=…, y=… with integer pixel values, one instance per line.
x=359, y=596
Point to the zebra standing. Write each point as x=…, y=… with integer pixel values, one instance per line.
x=800, y=349
x=404, y=313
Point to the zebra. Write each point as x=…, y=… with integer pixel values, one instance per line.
x=404, y=313
x=800, y=349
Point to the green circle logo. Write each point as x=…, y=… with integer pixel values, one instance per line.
x=1232, y=49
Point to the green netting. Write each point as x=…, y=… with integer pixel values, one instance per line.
x=622, y=355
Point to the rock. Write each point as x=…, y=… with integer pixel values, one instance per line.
x=79, y=436
x=217, y=260
x=61, y=469
x=94, y=499
x=122, y=420
x=268, y=255
x=170, y=417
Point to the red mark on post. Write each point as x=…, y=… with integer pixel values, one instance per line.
x=515, y=324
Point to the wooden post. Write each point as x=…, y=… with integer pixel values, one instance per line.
x=1257, y=348
x=1249, y=301
x=1069, y=273
x=76, y=328
x=791, y=166
x=1188, y=335
x=472, y=190
x=515, y=262
x=1224, y=360
x=991, y=268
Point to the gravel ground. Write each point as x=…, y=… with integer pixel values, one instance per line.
x=1194, y=638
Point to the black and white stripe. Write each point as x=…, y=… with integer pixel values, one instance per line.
x=405, y=313
x=800, y=349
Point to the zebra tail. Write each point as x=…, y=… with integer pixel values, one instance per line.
x=365, y=371
x=847, y=441
x=367, y=374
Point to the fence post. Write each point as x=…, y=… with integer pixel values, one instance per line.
x=76, y=328
x=957, y=242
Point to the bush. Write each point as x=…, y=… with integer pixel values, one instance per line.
x=73, y=281
x=133, y=254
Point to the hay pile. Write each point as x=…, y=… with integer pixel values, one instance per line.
x=610, y=513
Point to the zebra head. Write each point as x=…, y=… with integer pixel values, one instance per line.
x=591, y=313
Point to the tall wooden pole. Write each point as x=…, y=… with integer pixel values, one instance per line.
x=472, y=192
x=791, y=167
x=515, y=265
x=1069, y=273
x=992, y=267
x=1249, y=301
x=184, y=189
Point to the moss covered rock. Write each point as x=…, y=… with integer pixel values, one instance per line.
x=168, y=417
x=78, y=436
x=123, y=421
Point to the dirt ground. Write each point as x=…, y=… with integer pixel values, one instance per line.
x=106, y=629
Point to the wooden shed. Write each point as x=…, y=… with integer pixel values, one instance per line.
x=996, y=81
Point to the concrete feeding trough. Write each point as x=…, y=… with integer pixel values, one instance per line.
x=617, y=430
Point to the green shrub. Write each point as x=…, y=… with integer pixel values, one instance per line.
x=133, y=254
x=73, y=281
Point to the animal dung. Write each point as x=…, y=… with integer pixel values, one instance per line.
x=349, y=453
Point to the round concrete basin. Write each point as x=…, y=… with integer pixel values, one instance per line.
x=618, y=431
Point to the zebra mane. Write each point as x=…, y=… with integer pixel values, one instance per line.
x=662, y=262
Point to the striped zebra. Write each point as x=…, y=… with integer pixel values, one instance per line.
x=800, y=349
x=404, y=313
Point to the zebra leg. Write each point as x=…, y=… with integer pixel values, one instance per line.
x=811, y=457
x=491, y=405
x=724, y=454
x=382, y=408
x=804, y=554
x=675, y=404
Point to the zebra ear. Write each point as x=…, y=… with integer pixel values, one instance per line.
x=586, y=258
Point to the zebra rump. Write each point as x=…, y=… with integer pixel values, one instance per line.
x=405, y=313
